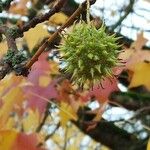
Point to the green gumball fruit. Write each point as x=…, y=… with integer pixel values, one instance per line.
x=89, y=53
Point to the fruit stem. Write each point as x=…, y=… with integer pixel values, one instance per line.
x=88, y=12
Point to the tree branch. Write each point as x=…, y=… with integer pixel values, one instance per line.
x=53, y=36
x=114, y=137
x=131, y=100
x=128, y=10
x=36, y=20
x=46, y=114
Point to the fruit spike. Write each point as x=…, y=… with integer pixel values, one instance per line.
x=89, y=54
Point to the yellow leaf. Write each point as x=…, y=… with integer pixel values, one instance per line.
x=34, y=35
x=58, y=19
x=3, y=48
x=31, y=122
x=44, y=81
x=148, y=145
x=105, y=148
x=9, y=81
x=66, y=113
x=141, y=75
x=7, y=139
x=54, y=67
x=10, y=123
x=13, y=96
x=57, y=138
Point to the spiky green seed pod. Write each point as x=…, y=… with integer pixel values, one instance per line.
x=89, y=54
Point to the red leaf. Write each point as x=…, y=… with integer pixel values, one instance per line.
x=102, y=93
x=26, y=142
x=40, y=68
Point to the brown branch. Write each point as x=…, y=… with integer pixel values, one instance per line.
x=53, y=36
x=49, y=135
x=13, y=33
x=46, y=114
x=7, y=4
x=131, y=100
x=42, y=18
x=9, y=38
x=114, y=137
x=11, y=43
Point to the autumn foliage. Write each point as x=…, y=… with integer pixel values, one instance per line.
x=34, y=109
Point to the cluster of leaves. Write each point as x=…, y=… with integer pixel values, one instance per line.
x=24, y=101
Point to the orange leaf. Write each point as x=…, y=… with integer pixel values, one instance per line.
x=7, y=139
x=65, y=89
x=140, y=42
x=19, y=7
x=13, y=140
x=26, y=142
x=135, y=53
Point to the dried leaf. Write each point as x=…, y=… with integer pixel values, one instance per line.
x=135, y=53
x=140, y=42
x=19, y=7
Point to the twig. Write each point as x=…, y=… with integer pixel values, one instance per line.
x=51, y=102
x=53, y=36
x=11, y=43
x=136, y=28
x=15, y=32
x=49, y=135
x=46, y=114
x=128, y=10
x=65, y=138
x=6, y=4
x=140, y=111
x=48, y=1
x=42, y=18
